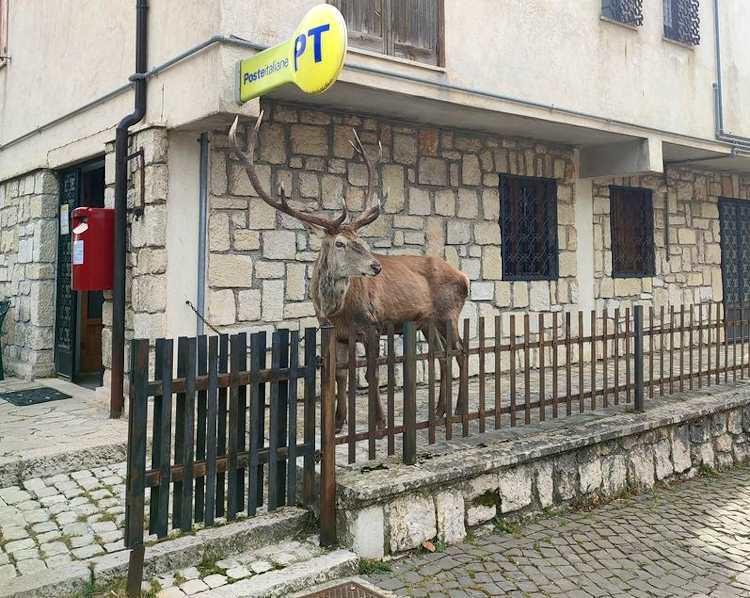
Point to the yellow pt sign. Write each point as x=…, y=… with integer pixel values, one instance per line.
x=311, y=60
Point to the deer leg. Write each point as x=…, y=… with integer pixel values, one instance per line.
x=342, y=356
x=462, y=406
x=379, y=419
x=437, y=348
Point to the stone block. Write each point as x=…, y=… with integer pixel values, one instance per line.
x=272, y=145
x=248, y=305
x=614, y=474
x=487, y=233
x=449, y=507
x=681, y=450
x=309, y=140
x=419, y=202
x=433, y=171
x=515, y=489
x=492, y=266
x=520, y=294
x=468, y=204
x=411, y=521
x=279, y=245
x=445, y=202
x=482, y=291
x=734, y=421
x=662, y=459
x=545, y=484
x=641, y=467
x=405, y=148
x=367, y=530
x=393, y=185
x=246, y=240
x=459, y=232
x=230, y=270
x=471, y=174
x=273, y=300
x=590, y=475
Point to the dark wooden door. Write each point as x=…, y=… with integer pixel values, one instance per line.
x=735, y=256
x=67, y=299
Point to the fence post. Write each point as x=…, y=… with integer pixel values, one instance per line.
x=638, y=357
x=328, y=437
x=410, y=393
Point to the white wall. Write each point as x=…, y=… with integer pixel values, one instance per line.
x=182, y=233
x=66, y=53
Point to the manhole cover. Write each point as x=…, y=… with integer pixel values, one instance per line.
x=33, y=396
x=345, y=590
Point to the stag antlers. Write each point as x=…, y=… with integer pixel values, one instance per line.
x=330, y=225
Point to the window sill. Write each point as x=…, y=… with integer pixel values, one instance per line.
x=619, y=23
x=679, y=43
x=397, y=60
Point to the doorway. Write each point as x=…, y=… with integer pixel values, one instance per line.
x=78, y=329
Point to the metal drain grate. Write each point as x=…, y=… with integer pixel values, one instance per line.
x=345, y=590
x=33, y=396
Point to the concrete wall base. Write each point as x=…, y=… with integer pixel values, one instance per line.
x=586, y=460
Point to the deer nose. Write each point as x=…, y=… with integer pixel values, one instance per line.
x=376, y=267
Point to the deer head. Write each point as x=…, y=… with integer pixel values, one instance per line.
x=345, y=253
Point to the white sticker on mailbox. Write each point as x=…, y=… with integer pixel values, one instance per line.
x=78, y=252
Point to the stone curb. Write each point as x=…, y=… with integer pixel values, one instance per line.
x=14, y=472
x=331, y=584
x=354, y=489
x=292, y=579
x=164, y=556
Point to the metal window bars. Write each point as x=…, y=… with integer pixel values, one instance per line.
x=682, y=21
x=629, y=12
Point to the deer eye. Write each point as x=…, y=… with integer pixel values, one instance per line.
x=339, y=244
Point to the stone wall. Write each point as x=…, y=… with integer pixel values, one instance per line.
x=690, y=271
x=567, y=464
x=443, y=200
x=28, y=250
x=146, y=279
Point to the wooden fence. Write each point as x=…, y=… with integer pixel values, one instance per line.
x=220, y=442
x=228, y=429
x=569, y=362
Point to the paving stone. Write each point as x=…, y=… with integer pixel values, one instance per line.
x=53, y=549
x=171, y=593
x=7, y=572
x=48, y=536
x=193, y=587
x=29, y=553
x=114, y=546
x=14, y=533
x=45, y=526
x=104, y=526
x=686, y=540
x=215, y=580
x=79, y=541
x=88, y=551
x=31, y=566
x=260, y=566
x=238, y=572
x=190, y=573
x=17, y=545
x=38, y=516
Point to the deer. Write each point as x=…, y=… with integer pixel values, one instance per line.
x=354, y=289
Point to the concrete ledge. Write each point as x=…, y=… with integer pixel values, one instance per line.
x=528, y=469
x=165, y=556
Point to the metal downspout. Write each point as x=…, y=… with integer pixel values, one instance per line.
x=202, y=212
x=117, y=400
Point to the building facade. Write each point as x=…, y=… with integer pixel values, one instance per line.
x=563, y=158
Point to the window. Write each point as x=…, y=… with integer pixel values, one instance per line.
x=632, y=227
x=528, y=220
x=629, y=12
x=410, y=29
x=3, y=31
x=682, y=22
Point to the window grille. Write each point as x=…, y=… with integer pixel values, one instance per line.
x=629, y=12
x=410, y=29
x=632, y=228
x=682, y=21
x=528, y=220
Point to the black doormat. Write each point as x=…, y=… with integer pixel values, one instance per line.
x=33, y=396
x=345, y=590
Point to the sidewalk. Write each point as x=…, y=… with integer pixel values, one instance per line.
x=692, y=539
x=41, y=440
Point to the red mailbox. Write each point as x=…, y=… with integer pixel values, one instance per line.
x=93, y=242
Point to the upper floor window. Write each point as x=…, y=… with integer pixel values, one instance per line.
x=528, y=220
x=410, y=29
x=632, y=226
x=629, y=12
x=3, y=31
x=682, y=21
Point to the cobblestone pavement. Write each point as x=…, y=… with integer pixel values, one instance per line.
x=48, y=429
x=50, y=522
x=690, y=540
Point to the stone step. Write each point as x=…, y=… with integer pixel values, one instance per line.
x=275, y=570
x=168, y=555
